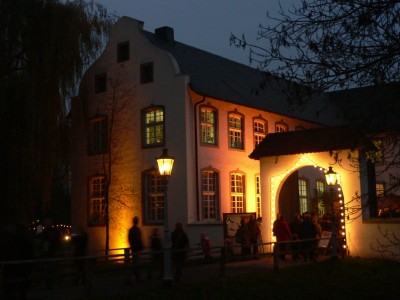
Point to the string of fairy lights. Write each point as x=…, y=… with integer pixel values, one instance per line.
x=38, y=227
x=304, y=161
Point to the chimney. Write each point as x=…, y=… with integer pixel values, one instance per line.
x=165, y=33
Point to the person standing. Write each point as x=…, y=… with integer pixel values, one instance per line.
x=254, y=232
x=282, y=232
x=205, y=245
x=180, y=244
x=307, y=233
x=136, y=245
x=242, y=237
x=294, y=226
x=79, y=246
x=157, y=254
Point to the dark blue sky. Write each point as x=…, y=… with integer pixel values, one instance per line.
x=204, y=24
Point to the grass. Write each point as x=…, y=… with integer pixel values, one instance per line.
x=351, y=278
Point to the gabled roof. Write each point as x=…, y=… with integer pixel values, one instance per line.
x=311, y=140
x=214, y=76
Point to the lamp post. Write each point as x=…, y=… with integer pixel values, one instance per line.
x=165, y=164
x=331, y=179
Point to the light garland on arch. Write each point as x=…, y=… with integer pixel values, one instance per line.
x=304, y=161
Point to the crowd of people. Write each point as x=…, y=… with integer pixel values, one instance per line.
x=179, y=247
x=248, y=235
x=307, y=228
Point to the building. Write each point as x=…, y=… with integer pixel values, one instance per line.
x=147, y=92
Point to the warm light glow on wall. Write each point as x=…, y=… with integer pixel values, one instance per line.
x=277, y=179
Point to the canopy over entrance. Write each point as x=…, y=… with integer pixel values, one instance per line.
x=281, y=154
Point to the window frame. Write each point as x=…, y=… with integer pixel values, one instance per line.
x=259, y=136
x=153, y=127
x=281, y=126
x=236, y=136
x=210, y=198
x=207, y=125
x=98, y=140
x=237, y=196
x=123, y=51
x=99, y=197
x=147, y=72
x=321, y=195
x=304, y=200
x=154, y=196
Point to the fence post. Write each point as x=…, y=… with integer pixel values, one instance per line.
x=127, y=253
x=276, y=257
x=222, y=262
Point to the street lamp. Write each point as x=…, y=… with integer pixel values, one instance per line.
x=331, y=179
x=165, y=164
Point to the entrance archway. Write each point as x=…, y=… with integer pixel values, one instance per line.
x=305, y=190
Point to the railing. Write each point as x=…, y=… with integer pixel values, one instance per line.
x=62, y=271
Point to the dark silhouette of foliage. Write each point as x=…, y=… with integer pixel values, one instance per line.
x=45, y=46
x=329, y=45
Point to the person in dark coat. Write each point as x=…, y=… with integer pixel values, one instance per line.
x=79, y=246
x=136, y=244
x=242, y=237
x=180, y=244
x=157, y=254
x=282, y=232
x=307, y=231
x=254, y=232
x=294, y=226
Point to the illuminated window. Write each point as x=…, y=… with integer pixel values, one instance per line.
x=380, y=190
x=377, y=156
x=320, y=188
x=100, y=83
x=260, y=130
x=208, y=125
x=123, y=51
x=235, y=124
x=153, y=195
x=304, y=200
x=98, y=136
x=237, y=185
x=97, y=201
x=146, y=73
x=209, y=195
x=153, y=127
x=258, y=196
x=281, y=127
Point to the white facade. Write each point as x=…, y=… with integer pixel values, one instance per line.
x=170, y=88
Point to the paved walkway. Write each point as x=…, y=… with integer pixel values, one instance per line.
x=115, y=282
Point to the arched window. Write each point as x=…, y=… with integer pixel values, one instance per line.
x=98, y=135
x=209, y=194
x=260, y=129
x=236, y=130
x=304, y=195
x=153, y=197
x=320, y=189
x=97, y=201
x=238, y=192
x=153, y=126
x=281, y=126
x=208, y=125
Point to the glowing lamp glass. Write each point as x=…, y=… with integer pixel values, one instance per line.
x=331, y=177
x=165, y=163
